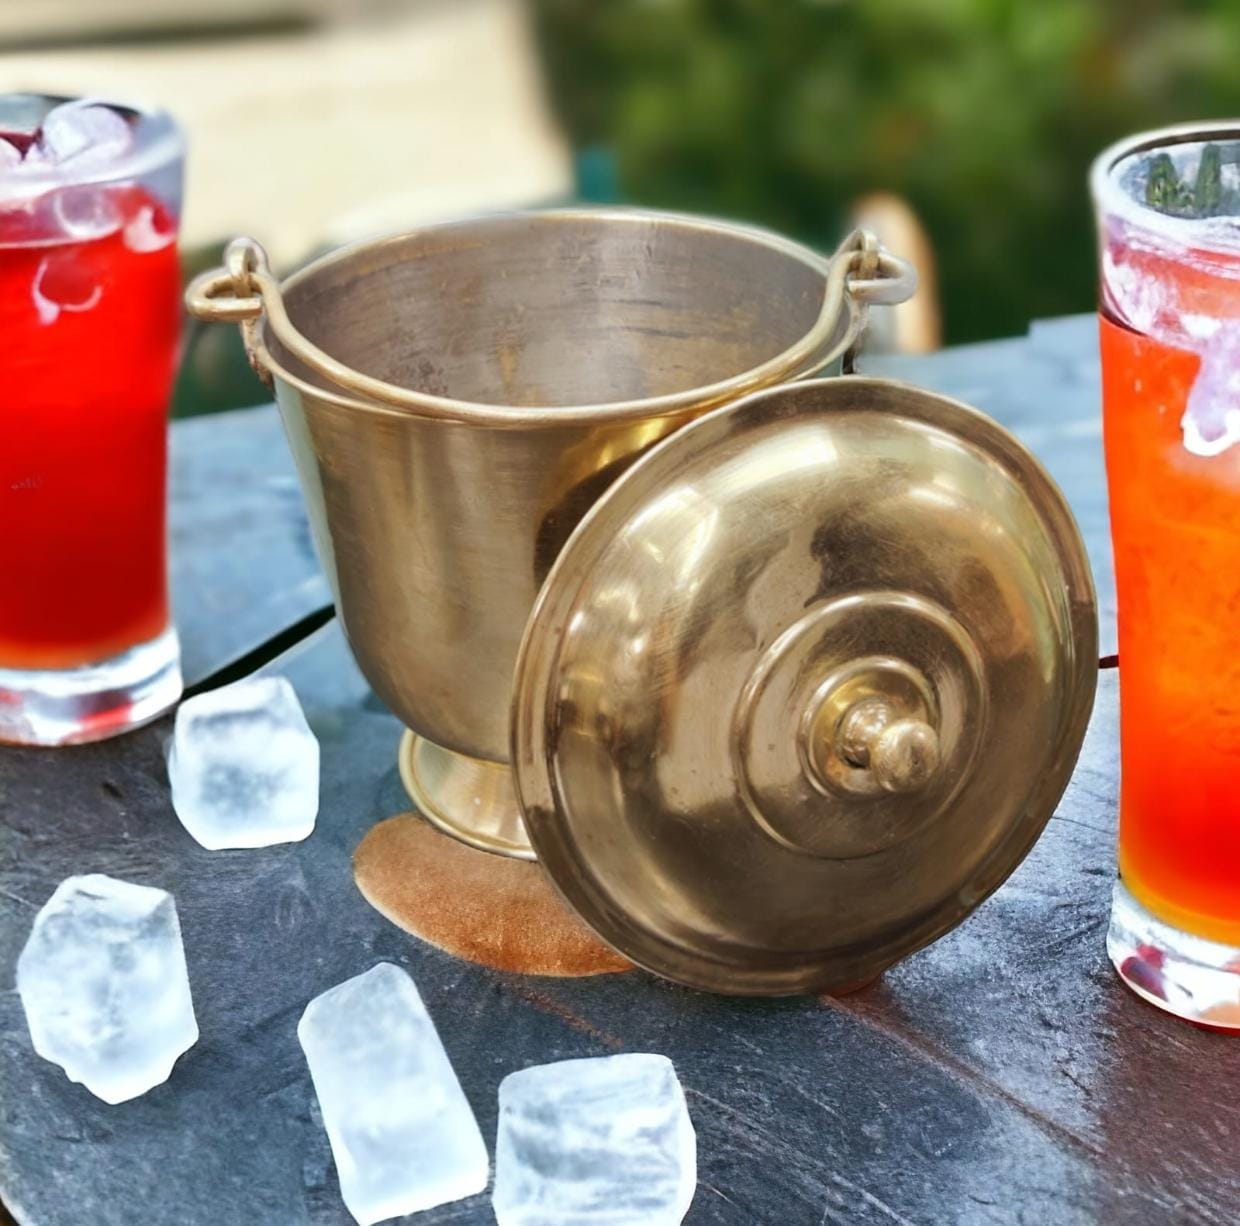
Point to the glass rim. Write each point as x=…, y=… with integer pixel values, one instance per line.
x=158, y=142
x=1110, y=200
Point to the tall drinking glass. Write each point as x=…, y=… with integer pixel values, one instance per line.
x=1168, y=208
x=89, y=315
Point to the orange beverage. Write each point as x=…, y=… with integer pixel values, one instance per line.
x=1176, y=524
x=1169, y=217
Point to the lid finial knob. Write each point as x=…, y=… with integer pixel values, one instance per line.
x=901, y=754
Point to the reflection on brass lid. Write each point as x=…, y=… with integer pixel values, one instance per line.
x=805, y=686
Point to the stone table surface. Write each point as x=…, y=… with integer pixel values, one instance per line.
x=1000, y=1076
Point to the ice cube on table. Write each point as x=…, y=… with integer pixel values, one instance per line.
x=605, y=1140
x=244, y=765
x=103, y=982
x=401, y=1130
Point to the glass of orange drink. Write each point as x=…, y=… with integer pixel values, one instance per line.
x=1168, y=210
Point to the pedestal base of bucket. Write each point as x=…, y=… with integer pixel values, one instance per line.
x=472, y=800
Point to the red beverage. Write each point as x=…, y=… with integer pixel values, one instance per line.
x=90, y=316
x=90, y=337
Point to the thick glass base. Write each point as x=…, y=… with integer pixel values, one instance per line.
x=1196, y=979
x=71, y=705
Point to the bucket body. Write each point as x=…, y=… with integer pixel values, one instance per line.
x=532, y=358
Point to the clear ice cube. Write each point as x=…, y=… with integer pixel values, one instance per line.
x=244, y=765
x=606, y=1141
x=85, y=134
x=83, y=212
x=1211, y=421
x=103, y=982
x=403, y=1135
x=63, y=283
x=146, y=231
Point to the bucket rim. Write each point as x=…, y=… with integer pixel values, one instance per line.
x=839, y=324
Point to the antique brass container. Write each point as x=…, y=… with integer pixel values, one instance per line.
x=792, y=672
x=458, y=397
x=804, y=686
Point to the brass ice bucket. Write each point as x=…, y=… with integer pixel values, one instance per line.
x=459, y=396
x=793, y=671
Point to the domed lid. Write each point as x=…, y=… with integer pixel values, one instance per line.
x=805, y=686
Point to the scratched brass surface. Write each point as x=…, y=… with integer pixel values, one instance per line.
x=805, y=686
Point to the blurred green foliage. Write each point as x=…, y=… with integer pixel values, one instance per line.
x=983, y=114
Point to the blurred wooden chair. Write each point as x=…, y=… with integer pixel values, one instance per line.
x=914, y=326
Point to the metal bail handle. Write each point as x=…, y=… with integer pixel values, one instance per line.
x=235, y=294
x=875, y=276
x=244, y=289
x=872, y=277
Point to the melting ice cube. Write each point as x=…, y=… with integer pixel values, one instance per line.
x=61, y=283
x=84, y=133
x=606, y=1141
x=149, y=230
x=83, y=212
x=244, y=766
x=1211, y=420
x=103, y=982
x=401, y=1130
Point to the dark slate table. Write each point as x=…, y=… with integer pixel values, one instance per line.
x=1000, y=1076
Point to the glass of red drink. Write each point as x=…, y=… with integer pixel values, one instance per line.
x=1168, y=207
x=90, y=316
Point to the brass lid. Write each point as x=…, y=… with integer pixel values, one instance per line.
x=805, y=686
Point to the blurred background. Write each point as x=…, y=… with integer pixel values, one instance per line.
x=961, y=129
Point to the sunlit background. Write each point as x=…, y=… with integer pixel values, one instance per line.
x=963, y=129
